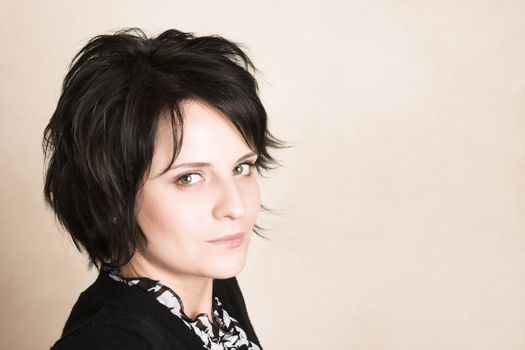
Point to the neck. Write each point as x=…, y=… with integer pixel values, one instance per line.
x=196, y=292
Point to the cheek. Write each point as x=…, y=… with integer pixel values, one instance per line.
x=253, y=199
x=162, y=213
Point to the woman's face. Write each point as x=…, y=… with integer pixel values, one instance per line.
x=184, y=208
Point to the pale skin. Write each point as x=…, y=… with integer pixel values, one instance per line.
x=182, y=209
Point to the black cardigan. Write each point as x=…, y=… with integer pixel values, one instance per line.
x=113, y=315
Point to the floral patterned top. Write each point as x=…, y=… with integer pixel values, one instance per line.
x=226, y=333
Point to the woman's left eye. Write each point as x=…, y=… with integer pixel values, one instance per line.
x=247, y=166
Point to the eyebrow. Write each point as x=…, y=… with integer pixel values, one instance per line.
x=202, y=164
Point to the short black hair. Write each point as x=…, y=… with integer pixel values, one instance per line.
x=99, y=142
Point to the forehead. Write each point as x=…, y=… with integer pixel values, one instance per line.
x=209, y=136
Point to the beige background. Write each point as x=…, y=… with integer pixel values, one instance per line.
x=402, y=208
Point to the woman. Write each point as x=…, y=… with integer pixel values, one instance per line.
x=152, y=153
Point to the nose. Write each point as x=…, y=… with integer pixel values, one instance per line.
x=230, y=203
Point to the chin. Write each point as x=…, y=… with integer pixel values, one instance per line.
x=227, y=268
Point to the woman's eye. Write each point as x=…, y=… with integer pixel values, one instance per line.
x=186, y=179
x=247, y=166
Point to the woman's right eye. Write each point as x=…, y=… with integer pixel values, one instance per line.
x=186, y=179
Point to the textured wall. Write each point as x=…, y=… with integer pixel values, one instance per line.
x=402, y=207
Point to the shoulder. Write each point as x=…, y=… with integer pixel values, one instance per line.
x=97, y=321
x=114, y=328
x=99, y=335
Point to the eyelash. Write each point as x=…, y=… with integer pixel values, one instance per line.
x=250, y=166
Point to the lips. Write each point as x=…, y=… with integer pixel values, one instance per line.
x=229, y=242
x=228, y=238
